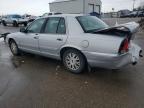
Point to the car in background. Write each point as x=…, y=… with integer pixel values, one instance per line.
x=133, y=14
x=123, y=13
x=0, y=19
x=95, y=14
x=141, y=14
x=47, y=14
x=78, y=41
x=30, y=18
x=14, y=19
x=50, y=13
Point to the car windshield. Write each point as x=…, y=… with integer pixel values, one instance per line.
x=16, y=16
x=91, y=23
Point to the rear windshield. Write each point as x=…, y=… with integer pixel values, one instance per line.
x=91, y=23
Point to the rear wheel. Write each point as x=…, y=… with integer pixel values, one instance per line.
x=74, y=61
x=14, y=48
x=15, y=24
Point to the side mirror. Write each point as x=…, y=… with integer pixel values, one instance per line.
x=23, y=30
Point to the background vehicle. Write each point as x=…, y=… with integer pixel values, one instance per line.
x=95, y=14
x=15, y=20
x=133, y=14
x=0, y=19
x=30, y=18
x=50, y=13
x=123, y=13
x=141, y=14
x=78, y=40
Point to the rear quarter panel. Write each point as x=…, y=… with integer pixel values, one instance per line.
x=95, y=43
x=90, y=42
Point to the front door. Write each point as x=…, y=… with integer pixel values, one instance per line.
x=53, y=37
x=29, y=40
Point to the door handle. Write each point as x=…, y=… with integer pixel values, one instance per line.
x=36, y=37
x=59, y=39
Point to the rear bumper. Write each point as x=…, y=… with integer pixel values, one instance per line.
x=114, y=61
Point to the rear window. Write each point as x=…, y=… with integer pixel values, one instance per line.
x=91, y=23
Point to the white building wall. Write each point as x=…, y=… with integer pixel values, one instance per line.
x=97, y=5
x=74, y=6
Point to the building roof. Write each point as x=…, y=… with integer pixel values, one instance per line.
x=57, y=1
x=60, y=1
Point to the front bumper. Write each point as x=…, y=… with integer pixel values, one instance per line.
x=114, y=61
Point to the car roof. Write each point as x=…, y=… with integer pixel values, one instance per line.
x=63, y=15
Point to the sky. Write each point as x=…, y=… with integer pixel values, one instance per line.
x=38, y=7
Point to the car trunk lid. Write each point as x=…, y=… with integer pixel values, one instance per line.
x=123, y=30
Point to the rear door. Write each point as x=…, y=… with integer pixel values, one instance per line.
x=53, y=36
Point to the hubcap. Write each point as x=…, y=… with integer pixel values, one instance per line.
x=72, y=61
x=14, y=48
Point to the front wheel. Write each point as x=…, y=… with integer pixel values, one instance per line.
x=15, y=24
x=14, y=48
x=74, y=61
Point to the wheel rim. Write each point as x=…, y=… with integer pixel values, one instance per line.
x=14, y=48
x=72, y=61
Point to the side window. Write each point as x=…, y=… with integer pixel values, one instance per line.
x=61, y=27
x=36, y=26
x=52, y=24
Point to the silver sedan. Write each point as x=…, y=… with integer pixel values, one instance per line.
x=79, y=41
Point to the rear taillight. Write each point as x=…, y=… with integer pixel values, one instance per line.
x=124, y=47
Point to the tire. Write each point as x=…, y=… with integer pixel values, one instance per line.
x=15, y=24
x=14, y=48
x=4, y=23
x=74, y=61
